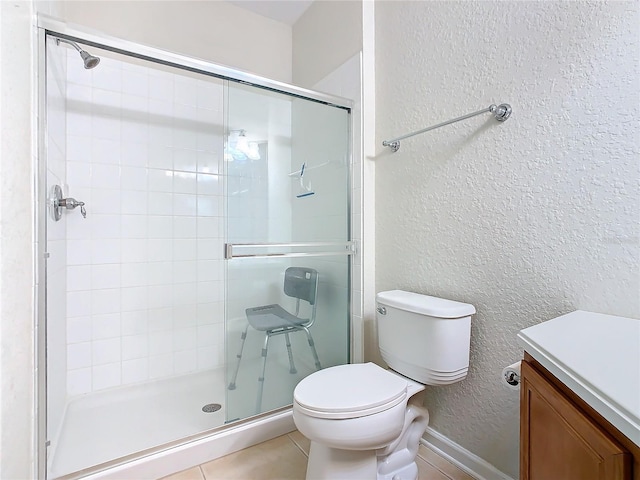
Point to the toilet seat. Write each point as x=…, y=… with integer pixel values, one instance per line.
x=349, y=391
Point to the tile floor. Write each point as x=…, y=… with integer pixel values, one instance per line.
x=285, y=457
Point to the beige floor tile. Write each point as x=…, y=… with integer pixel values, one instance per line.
x=192, y=474
x=278, y=459
x=426, y=471
x=283, y=458
x=303, y=442
x=444, y=465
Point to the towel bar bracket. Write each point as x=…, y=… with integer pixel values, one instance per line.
x=502, y=112
x=394, y=146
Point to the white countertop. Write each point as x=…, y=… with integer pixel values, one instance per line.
x=598, y=357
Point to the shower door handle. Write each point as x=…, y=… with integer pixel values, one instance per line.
x=281, y=250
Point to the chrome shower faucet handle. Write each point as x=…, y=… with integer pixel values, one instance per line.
x=71, y=203
x=58, y=203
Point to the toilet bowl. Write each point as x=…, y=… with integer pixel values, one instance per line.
x=354, y=430
x=364, y=421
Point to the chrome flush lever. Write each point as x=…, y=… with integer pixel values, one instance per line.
x=58, y=203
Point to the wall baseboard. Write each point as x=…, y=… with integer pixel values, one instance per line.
x=461, y=457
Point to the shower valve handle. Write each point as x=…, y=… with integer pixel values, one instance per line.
x=71, y=203
x=57, y=203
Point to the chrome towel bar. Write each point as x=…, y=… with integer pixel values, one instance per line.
x=500, y=113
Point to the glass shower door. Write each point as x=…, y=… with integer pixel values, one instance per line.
x=287, y=245
x=134, y=319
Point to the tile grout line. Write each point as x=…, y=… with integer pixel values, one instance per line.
x=298, y=446
x=204, y=477
x=436, y=467
x=419, y=456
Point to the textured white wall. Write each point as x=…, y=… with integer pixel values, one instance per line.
x=216, y=31
x=528, y=219
x=16, y=233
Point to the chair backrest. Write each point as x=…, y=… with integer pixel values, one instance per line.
x=301, y=283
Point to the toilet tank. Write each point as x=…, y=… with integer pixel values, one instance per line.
x=424, y=338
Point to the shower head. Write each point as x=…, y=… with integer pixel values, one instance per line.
x=89, y=60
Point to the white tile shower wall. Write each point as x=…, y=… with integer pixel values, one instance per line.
x=259, y=198
x=56, y=232
x=144, y=275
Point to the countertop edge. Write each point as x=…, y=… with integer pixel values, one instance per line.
x=618, y=419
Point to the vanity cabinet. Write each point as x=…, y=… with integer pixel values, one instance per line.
x=563, y=438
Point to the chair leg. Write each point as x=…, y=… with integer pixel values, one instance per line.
x=243, y=337
x=292, y=367
x=261, y=377
x=313, y=348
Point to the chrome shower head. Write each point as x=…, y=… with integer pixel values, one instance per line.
x=89, y=60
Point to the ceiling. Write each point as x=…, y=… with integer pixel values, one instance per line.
x=285, y=11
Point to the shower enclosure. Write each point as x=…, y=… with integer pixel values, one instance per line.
x=174, y=195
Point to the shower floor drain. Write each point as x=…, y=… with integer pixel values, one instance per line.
x=211, y=407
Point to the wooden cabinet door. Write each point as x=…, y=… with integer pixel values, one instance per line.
x=559, y=442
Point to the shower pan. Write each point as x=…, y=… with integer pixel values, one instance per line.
x=166, y=213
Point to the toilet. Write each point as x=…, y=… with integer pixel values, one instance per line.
x=364, y=421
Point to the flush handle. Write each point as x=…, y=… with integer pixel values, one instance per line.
x=381, y=310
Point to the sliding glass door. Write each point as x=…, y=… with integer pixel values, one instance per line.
x=287, y=245
x=154, y=332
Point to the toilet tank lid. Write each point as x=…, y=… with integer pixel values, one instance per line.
x=424, y=304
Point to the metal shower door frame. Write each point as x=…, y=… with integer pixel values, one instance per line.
x=62, y=30
x=45, y=25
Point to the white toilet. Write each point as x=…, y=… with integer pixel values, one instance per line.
x=365, y=422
